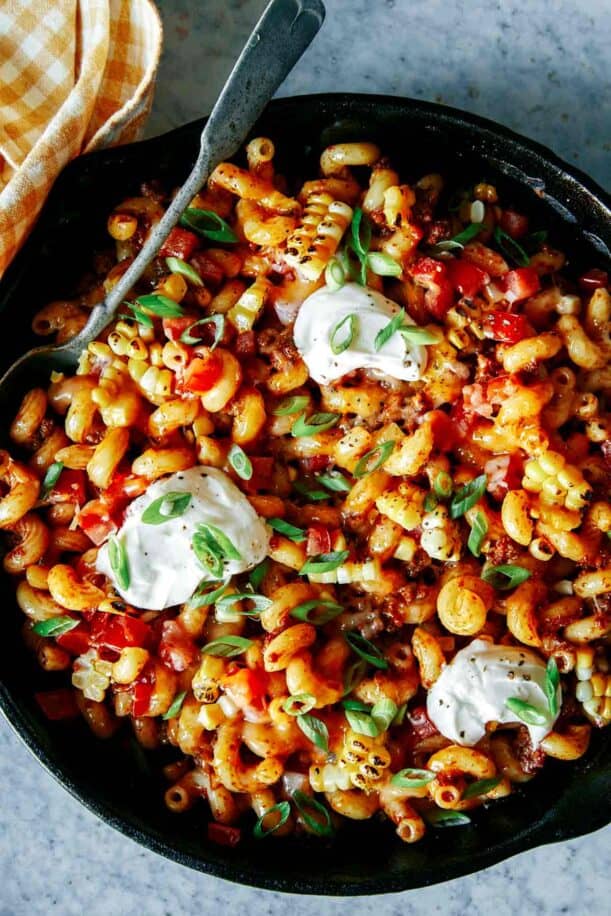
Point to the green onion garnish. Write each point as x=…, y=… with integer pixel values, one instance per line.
x=335, y=276
x=175, y=706
x=510, y=247
x=202, y=598
x=334, y=481
x=354, y=675
x=313, y=493
x=315, y=423
x=442, y=485
x=366, y=649
x=412, y=778
x=383, y=713
x=479, y=530
x=439, y=817
x=361, y=722
x=119, y=562
x=282, y=809
x=50, y=479
x=385, y=333
x=258, y=574
x=299, y=704
x=304, y=802
x=240, y=462
x=208, y=224
x=292, y=405
x=344, y=333
x=167, y=507
x=324, y=562
x=552, y=681
x=219, y=329
x=467, y=496
x=177, y=266
x=505, y=576
x=290, y=531
x=383, y=265
x=303, y=611
x=526, y=712
x=159, y=305
x=315, y=730
x=412, y=334
x=374, y=459
x=481, y=787
x=227, y=646
x=55, y=626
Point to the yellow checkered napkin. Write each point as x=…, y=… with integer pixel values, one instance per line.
x=75, y=75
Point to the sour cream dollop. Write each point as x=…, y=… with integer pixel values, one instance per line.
x=321, y=313
x=471, y=691
x=163, y=569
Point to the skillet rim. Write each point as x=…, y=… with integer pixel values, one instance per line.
x=558, y=822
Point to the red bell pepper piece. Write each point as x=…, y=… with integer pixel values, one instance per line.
x=433, y=276
x=176, y=648
x=203, y=373
x=223, y=834
x=594, y=279
x=262, y=472
x=208, y=269
x=248, y=689
x=142, y=691
x=70, y=487
x=520, y=284
x=116, y=631
x=58, y=704
x=96, y=522
x=467, y=278
x=75, y=641
x=319, y=540
x=514, y=224
x=505, y=327
x=180, y=243
x=174, y=328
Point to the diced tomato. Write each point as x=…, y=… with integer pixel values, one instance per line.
x=246, y=344
x=223, y=835
x=248, y=688
x=123, y=487
x=505, y=327
x=75, y=641
x=142, y=691
x=70, y=487
x=319, y=540
x=467, y=278
x=58, y=704
x=207, y=268
x=203, y=373
x=173, y=328
x=421, y=724
x=315, y=463
x=462, y=420
x=262, y=471
x=176, y=648
x=594, y=279
x=96, y=522
x=504, y=472
x=180, y=243
x=514, y=224
x=116, y=631
x=520, y=283
x=485, y=258
x=433, y=276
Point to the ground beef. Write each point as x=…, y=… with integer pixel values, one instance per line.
x=503, y=551
x=529, y=758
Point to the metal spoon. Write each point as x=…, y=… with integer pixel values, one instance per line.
x=276, y=43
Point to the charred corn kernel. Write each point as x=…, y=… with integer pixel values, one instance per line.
x=551, y=462
x=310, y=246
x=136, y=369
x=558, y=483
x=156, y=383
x=173, y=286
x=121, y=226
x=92, y=675
x=365, y=759
x=440, y=537
x=211, y=716
x=129, y=664
x=485, y=192
x=459, y=338
x=406, y=549
x=127, y=329
x=206, y=681
x=136, y=349
x=599, y=684
x=175, y=355
x=404, y=506
x=117, y=343
x=583, y=691
x=250, y=305
x=100, y=350
x=584, y=658
x=329, y=778
x=202, y=425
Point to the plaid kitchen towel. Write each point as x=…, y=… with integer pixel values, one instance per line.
x=75, y=75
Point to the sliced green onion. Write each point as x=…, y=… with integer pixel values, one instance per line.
x=360, y=230
x=50, y=479
x=290, y=531
x=481, y=787
x=55, y=626
x=304, y=802
x=526, y=712
x=443, y=485
x=361, y=722
x=356, y=706
x=119, y=562
x=208, y=553
x=299, y=704
x=292, y=405
x=366, y=649
x=354, y=675
x=175, y=706
x=439, y=817
x=479, y=530
x=202, y=598
x=468, y=234
x=228, y=549
x=412, y=778
x=240, y=462
x=167, y=507
x=282, y=809
x=219, y=329
x=315, y=730
x=552, y=681
x=383, y=713
x=505, y=576
x=510, y=247
x=383, y=265
x=258, y=574
x=467, y=496
x=385, y=333
x=400, y=715
x=159, y=305
x=335, y=276
x=141, y=317
x=315, y=423
x=430, y=502
x=374, y=459
x=344, y=333
x=334, y=481
x=324, y=562
x=313, y=493
x=178, y=266
x=302, y=611
x=260, y=602
x=227, y=646
x=412, y=334
x=208, y=224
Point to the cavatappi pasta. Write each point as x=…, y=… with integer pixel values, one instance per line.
x=337, y=474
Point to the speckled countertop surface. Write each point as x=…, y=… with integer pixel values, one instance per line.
x=541, y=67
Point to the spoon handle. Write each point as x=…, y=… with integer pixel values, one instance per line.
x=276, y=43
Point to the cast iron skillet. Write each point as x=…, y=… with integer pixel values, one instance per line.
x=114, y=779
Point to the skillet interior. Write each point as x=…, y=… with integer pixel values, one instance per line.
x=114, y=779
